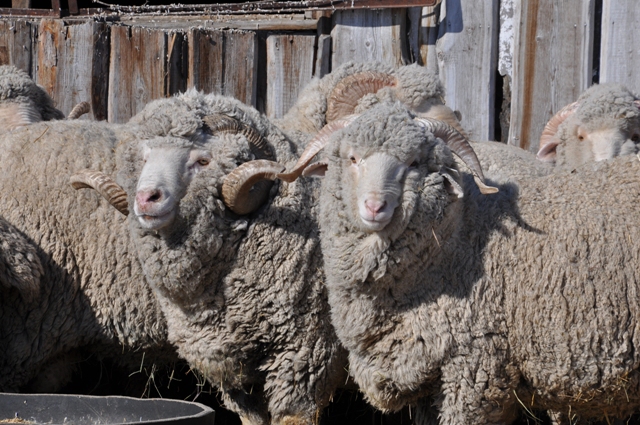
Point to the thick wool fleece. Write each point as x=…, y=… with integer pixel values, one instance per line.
x=485, y=302
x=600, y=107
x=20, y=267
x=17, y=87
x=501, y=162
x=91, y=293
x=415, y=85
x=244, y=296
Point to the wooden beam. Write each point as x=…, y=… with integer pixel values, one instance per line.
x=20, y=4
x=73, y=7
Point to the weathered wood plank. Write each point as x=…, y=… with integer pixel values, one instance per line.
x=224, y=62
x=290, y=60
x=178, y=66
x=467, y=55
x=423, y=33
x=16, y=44
x=620, y=50
x=323, y=56
x=72, y=64
x=137, y=70
x=20, y=4
x=551, y=64
x=369, y=35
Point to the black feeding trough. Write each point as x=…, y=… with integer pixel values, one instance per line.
x=82, y=409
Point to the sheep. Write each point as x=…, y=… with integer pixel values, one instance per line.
x=481, y=304
x=354, y=87
x=603, y=123
x=86, y=291
x=23, y=102
x=238, y=272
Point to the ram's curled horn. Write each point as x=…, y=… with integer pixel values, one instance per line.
x=220, y=123
x=104, y=185
x=79, y=110
x=316, y=145
x=345, y=95
x=237, y=192
x=548, y=140
x=461, y=147
x=14, y=115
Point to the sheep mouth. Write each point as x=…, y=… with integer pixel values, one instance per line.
x=155, y=221
x=375, y=225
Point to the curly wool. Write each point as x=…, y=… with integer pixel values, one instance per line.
x=482, y=303
x=243, y=296
x=17, y=87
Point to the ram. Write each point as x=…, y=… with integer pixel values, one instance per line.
x=603, y=123
x=478, y=304
x=237, y=271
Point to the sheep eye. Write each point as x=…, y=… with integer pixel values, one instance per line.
x=635, y=138
x=353, y=159
x=204, y=162
x=414, y=164
x=581, y=138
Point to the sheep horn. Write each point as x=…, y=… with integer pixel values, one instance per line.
x=636, y=103
x=104, y=185
x=316, y=145
x=79, y=110
x=219, y=123
x=14, y=115
x=461, y=147
x=236, y=187
x=345, y=95
x=548, y=141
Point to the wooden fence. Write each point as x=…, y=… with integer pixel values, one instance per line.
x=554, y=50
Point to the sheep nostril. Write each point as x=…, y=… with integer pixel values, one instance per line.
x=373, y=206
x=146, y=198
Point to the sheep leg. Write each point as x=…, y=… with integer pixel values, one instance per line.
x=249, y=407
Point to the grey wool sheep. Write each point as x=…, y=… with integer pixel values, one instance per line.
x=75, y=283
x=22, y=101
x=238, y=272
x=478, y=305
x=355, y=87
x=603, y=123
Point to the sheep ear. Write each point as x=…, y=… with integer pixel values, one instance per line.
x=452, y=186
x=547, y=153
x=317, y=169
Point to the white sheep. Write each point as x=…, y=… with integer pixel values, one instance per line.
x=603, y=123
x=479, y=304
x=238, y=271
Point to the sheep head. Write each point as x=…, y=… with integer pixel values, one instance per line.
x=603, y=123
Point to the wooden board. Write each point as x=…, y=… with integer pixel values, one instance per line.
x=290, y=60
x=178, y=62
x=224, y=62
x=620, y=49
x=323, y=56
x=369, y=35
x=73, y=65
x=137, y=71
x=422, y=34
x=15, y=44
x=467, y=54
x=551, y=63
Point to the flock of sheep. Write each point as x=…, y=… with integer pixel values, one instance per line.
x=470, y=280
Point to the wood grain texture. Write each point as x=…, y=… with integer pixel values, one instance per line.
x=137, y=71
x=290, y=60
x=620, y=49
x=178, y=62
x=551, y=65
x=467, y=61
x=73, y=64
x=224, y=62
x=16, y=44
x=422, y=34
x=323, y=56
x=369, y=35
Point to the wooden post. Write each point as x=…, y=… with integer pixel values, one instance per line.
x=369, y=35
x=551, y=65
x=423, y=33
x=620, y=50
x=224, y=62
x=137, y=70
x=15, y=44
x=21, y=4
x=289, y=68
x=73, y=64
x=467, y=52
x=178, y=62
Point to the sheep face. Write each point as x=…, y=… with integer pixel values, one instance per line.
x=383, y=164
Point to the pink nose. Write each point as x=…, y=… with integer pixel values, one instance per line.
x=147, y=198
x=374, y=207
